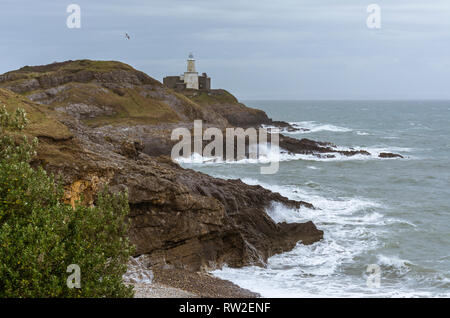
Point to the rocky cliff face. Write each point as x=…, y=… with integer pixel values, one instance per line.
x=180, y=216
x=105, y=123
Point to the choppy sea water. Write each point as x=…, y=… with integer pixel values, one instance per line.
x=394, y=213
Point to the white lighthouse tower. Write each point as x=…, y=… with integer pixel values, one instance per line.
x=190, y=77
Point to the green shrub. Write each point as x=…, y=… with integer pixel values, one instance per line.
x=40, y=236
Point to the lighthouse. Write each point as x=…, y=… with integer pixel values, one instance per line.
x=189, y=79
x=191, y=63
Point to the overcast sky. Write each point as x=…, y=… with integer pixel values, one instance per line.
x=256, y=49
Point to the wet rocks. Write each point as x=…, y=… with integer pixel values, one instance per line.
x=179, y=217
x=389, y=155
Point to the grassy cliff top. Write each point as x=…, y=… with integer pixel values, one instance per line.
x=42, y=123
x=71, y=67
x=213, y=96
x=103, y=93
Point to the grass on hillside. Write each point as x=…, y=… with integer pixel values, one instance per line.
x=40, y=123
x=214, y=97
x=72, y=67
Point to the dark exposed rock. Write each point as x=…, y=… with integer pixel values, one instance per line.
x=389, y=155
x=308, y=146
x=84, y=111
x=227, y=106
x=180, y=216
x=282, y=125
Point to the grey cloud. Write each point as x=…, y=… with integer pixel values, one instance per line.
x=255, y=48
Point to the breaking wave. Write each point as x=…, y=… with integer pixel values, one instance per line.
x=300, y=272
x=312, y=126
x=305, y=127
x=351, y=230
x=279, y=154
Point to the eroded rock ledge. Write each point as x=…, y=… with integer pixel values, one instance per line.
x=179, y=217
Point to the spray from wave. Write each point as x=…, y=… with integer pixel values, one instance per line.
x=306, y=127
x=278, y=154
x=351, y=226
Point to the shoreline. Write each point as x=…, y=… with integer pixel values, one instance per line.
x=200, y=284
x=180, y=283
x=166, y=281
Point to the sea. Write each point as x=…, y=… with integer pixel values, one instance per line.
x=386, y=222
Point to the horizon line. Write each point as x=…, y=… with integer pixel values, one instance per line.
x=348, y=99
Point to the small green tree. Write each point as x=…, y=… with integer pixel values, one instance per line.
x=40, y=236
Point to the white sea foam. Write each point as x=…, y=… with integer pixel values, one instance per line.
x=313, y=126
x=267, y=154
x=306, y=127
x=376, y=149
x=390, y=137
x=394, y=263
x=358, y=230
x=350, y=230
x=137, y=271
x=338, y=211
x=281, y=155
x=299, y=281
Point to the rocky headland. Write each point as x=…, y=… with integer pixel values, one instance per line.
x=104, y=123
